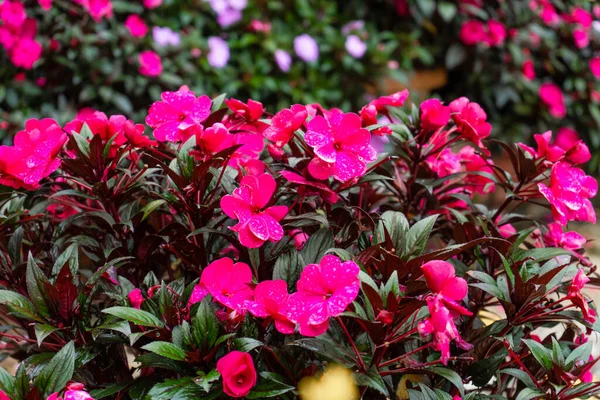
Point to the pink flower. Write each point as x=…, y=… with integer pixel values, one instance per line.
x=566, y=146
x=529, y=70
x=250, y=111
x=269, y=301
x=472, y=32
x=228, y=283
x=368, y=113
x=238, y=372
x=283, y=60
x=75, y=391
x=441, y=279
x=61, y=211
x=574, y=294
x=393, y=100
x=134, y=133
x=470, y=119
x=135, y=298
x=34, y=154
x=566, y=240
x=507, y=230
x=569, y=193
x=198, y=293
x=581, y=17
x=473, y=162
x=496, y=34
x=444, y=163
x=213, y=139
x=552, y=96
x=3, y=396
x=434, y=115
x=152, y=3
x=441, y=326
x=25, y=53
x=136, y=26
x=306, y=48
x=324, y=291
x=299, y=238
x=12, y=13
x=246, y=203
x=285, y=123
x=150, y=63
x=342, y=147
x=595, y=67
x=98, y=9
x=355, y=46
x=581, y=38
x=218, y=54
x=178, y=114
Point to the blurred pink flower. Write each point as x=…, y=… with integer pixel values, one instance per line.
x=581, y=38
x=355, y=46
x=136, y=26
x=306, y=48
x=150, y=63
x=552, y=96
x=529, y=70
x=283, y=60
x=25, y=53
x=218, y=54
x=152, y=3
x=98, y=9
x=595, y=66
x=472, y=32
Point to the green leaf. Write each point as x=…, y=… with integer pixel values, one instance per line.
x=307, y=219
x=58, y=372
x=35, y=285
x=528, y=394
x=166, y=349
x=246, y=344
x=205, y=381
x=491, y=289
x=316, y=246
x=455, y=55
x=151, y=207
x=520, y=375
x=113, y=388
x=418, y=235
x=217, y=102
x=7, y=383
x=139, y=317
x=176, y=389
x=272, y=385
x=452, y=376
x=541, y=354
x=42, y=331
x=70, y=255
x=447, y=11
x=396, y=225
x=373, y=380
x=205, y=326
x=581, y=352
x=19, y=305
x=287, y=268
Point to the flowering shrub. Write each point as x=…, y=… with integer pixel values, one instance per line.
x=112, y=55
x=241, y=252
x=531, y=64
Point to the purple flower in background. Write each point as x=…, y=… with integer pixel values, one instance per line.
x=218, y=54
x=306, y=48
x=356, y=25
x=283, y=60
x=165, y=36
x=355, y=47
x=228, y=11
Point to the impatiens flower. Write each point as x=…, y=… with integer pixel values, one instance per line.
x=441, y=279
x=228, y=283
x=34, y=154
x=306, y=48
x=198, y=293
x=507, y=230
x=529, y=70
x=324, y=291
x=342, y=147
x=574, y=294
x=251, y=111
x=238, y=372
x=434, y=114
x=470, y=119
x=136, y=26
x=474, y=162
x=309, y=188
x=214, y=139
x=299, y=237
x=496, y=33
x=152, y=3
x=285, y=123
x=25, y=53
x=269, y=301
x=566, y=240
x=12, y=13
x=174, y=118
x=444, y=163
x=355, y=47
x=552, y=96
x=569, y=194
x=3, y=396
x=246, y=204
x=134, y=133
x=472, y=32
x=393, y=100
x=581, y=38
x=150, y=63
x=218, y=54
x=595, y=67
x=75, y=391
x=567, y=146
x=98, y=9
x=135, y=298
x=165, y=37
x=283, y=60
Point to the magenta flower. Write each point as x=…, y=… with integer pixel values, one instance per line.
x=470, y=119
x=34, y=154
x=355, y=47
x=324, y=291
x=473, y=162
x=283, y=60
x=577, y=298
x=98, y=9
x=440, y=324
x=246, y=203
x=444, y=163
x=228, y=283
x=529, y=70
x=12, y=13
x=496, y=33
x=434, y=115
x=552, y=96
x=441, y=279
x=152, y=3
x=581, y=37
x=218, y=54
x=306, y=48
x=25, y=53
x=269, y=301
x=472, y=32
x=285, y=123
x=176, y=117
x=567, y=146
x=213, y=139
x=150, y=63
x=566, y=240
x=342, y=147
x=569, y=194
x=75, y=391
x=135, y=298
x=595, y=67
x=136, y=26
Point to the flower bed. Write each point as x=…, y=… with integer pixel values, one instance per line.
x=229, y=268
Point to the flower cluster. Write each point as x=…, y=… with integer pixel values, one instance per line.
x=17, y=34
x=234, y=252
